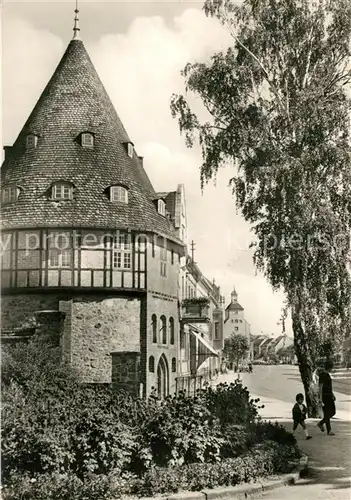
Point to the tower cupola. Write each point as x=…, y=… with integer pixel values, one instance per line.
x=234, y=296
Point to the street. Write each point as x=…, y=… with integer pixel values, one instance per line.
x=329, y=456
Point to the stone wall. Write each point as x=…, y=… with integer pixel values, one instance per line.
x=94, y=326
x=126, y=372
x=101, y=325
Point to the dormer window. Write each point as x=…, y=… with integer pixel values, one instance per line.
x=31, y=141
x=87, y=140
x=62, y=191
x=130, y=149
x=119, y=194
x=10, y=194
x=161, y=207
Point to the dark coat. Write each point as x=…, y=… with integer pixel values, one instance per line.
x=297, y=414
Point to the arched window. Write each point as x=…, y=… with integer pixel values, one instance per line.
x=174, y=365
x=62, y=191
x=151, y=364
x=154, y=328
x=119, y=194
x=163, y=329
x=161, y=207
x=171, y=331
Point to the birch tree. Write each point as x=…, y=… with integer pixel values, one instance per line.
x=279, y=106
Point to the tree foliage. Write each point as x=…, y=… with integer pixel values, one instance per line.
x=286, y=353
x=236, y=347
x=279, y=111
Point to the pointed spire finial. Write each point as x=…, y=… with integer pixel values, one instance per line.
x=76, y=28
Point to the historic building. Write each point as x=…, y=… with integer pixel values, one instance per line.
x=201, y=327
x=235, y=322
x=200, y=309
x=86, y=238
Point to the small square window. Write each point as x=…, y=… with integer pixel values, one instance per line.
x=123, y=241
x=10, y=194
x=31, y=141
x=60, y=258
x=87, y=140
x=62, y=191
x=163, y=254
x=122, y=259
x=163, y=268
x=161, y=207
x=130, y=149
x=66, y=258
x=216, y=331
x=127, y=260
x=119, y=194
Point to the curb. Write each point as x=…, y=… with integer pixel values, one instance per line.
x=244, y=491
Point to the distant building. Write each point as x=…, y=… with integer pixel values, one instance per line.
x=263, y=346
x=201, y=331
x=256, y=342
x=280, y=342
x=235, y=322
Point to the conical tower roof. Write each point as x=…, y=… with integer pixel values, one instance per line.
x=75, y=101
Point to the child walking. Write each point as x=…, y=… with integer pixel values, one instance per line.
x=299, y=412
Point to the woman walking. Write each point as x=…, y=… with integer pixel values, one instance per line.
x=327, y=397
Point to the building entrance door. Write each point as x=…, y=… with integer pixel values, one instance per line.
x=162, y=378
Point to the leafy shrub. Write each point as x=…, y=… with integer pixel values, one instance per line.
x=37, y=367
x=262, y=461
x=29, y=442
x=66, y=487
x=81, y=435
x=66, y=441
x=268, y=431
x=99, y=442
x=183, y=431
x=238, y=440
x=230, y=403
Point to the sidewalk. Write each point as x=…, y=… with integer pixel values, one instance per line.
x=329, y=456
x=329, y=465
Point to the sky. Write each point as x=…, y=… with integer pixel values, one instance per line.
x=139, y=49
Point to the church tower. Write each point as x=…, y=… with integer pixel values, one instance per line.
x=85, y=234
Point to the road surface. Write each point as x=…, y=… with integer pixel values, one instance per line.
x=280, y=383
